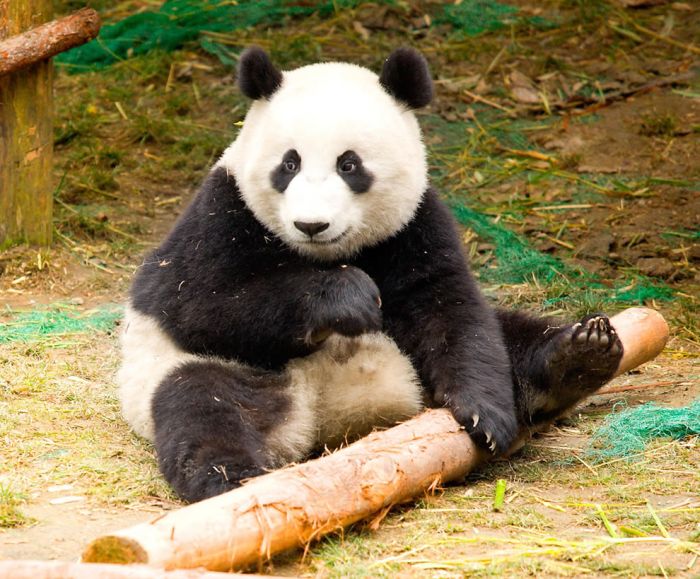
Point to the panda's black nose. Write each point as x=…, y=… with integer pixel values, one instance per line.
x=311, y=229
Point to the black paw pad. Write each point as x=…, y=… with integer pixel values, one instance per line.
x=584, y=355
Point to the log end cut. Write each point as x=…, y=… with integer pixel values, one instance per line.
x=643, y=333
x=114, y=549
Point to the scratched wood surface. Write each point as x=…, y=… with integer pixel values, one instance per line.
x=26, y=135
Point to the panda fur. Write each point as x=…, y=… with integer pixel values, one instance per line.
x=316, y=288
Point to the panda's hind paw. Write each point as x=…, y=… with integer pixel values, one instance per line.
x=586, y=354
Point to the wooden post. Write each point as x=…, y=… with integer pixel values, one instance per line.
x=26, y=135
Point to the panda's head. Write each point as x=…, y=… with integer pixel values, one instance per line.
x=330, y=157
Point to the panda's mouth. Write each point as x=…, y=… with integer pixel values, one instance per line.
x=331, y=241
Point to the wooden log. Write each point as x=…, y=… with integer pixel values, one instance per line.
x=643, y=332
x=26, y=145
x=47, y=40
x=293, y=506
x=27, y=569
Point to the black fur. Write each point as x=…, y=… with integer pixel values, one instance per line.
x=223, y=285
x=555, y=365
x=353, y=172
x=283, y=174
x=406, y=76
x=211, y=421
x=257, y=76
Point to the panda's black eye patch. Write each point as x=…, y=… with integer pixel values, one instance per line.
x=283, y=174
x=350, y=168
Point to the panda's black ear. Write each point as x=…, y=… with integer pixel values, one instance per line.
x=257, y=76
x=406, y=76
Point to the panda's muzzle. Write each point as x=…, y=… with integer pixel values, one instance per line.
x=311, y=228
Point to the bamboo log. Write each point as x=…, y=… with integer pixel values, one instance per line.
x=27, y=569
x=48, y=40
x=293, y=506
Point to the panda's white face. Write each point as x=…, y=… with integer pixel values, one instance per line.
x=330, y=163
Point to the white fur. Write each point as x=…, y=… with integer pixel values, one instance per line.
x=361, y=382
x=323, y=110
x=148, y=356
x=342, y=391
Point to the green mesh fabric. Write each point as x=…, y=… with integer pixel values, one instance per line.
x=626, y=433
x=38, y=325
x=473, y=17
x=518, y=262
x=181, y=21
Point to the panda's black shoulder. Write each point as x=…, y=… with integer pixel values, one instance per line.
x=216, y=207
x=428, y=245
x=208, y=244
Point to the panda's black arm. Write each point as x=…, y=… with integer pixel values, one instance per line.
x=437, y=315
x=221, y=284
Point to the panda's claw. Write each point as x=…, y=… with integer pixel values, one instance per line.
x=492, y=428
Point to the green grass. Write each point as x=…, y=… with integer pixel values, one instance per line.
x=11, y=515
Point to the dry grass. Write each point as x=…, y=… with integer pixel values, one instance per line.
x=60, y=424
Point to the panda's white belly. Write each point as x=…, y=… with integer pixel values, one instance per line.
x=340, y=392
x=360, y=383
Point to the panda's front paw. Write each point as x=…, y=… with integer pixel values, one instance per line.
x=348, y=304
x=492, y=428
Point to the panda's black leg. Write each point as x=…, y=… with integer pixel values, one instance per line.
x=212, y=422
x=555, y=365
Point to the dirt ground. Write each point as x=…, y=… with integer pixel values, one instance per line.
x=609, y=184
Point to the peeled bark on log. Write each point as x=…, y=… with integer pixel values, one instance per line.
x=27, y=569
x=47, y=40
x=292, y=506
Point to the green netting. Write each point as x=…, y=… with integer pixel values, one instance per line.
x=473, y=17
x=518, y=262
x=57, y=321
x=626, y=433
x=181, y=21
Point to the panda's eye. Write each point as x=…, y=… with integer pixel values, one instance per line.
x=286, y=171
x=348, y=167
x=351, y=169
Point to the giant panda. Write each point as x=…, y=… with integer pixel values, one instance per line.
x=316, y=288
